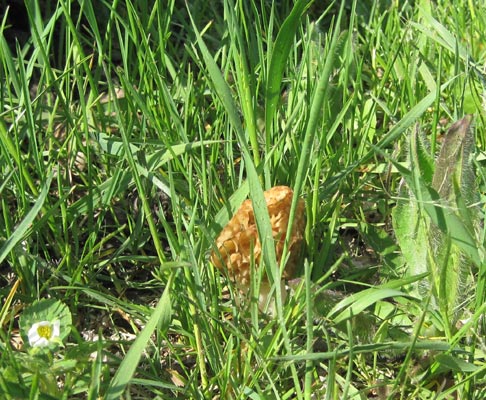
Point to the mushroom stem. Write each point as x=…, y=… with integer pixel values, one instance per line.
x=267, y=301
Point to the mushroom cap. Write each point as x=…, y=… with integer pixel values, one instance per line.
x=239, y=238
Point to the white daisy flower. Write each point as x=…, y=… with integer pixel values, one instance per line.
x=43, y=333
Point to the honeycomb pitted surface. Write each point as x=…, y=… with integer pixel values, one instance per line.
x=240, y=236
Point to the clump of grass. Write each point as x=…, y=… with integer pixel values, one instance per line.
x=129, y=135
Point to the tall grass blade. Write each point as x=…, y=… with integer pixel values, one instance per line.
x=356, y=303
x=23, y=227
x=160, y=319
x=318, y=101
x=278, y=61
x=256, y=192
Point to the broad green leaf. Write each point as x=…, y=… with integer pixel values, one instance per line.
x=113, y=145
x=434, y=219
x=420, y=157
x=454, y=181
x=454, y=162
x=440, y=34
x=382, y=243
x=455, y=364
x=445, y=219
x=409, y=221
x=46, y=310
x=411, y=232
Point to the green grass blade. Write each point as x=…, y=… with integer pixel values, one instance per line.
x=321, y=94
x=431, y=345
x=160, y=319
x=16, y=161
x=199, y=130
x=243, y=80
x=356, y=303
x=94, y=388
x=410, y=118
x=278, y=61
x=255, y=189
x=222, y=89
x=18, y=235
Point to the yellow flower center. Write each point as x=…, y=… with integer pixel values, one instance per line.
x=45, y=331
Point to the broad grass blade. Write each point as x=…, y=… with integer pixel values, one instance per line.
x=160, y=319
x=356, y=303
x=19, y=233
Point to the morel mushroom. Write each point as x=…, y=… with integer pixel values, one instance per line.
x=239, y=244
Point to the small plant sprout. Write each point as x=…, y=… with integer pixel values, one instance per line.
x=44, y=333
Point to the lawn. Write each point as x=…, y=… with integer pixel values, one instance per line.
x=132, y=132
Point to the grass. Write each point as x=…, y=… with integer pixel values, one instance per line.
x=130, y=133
